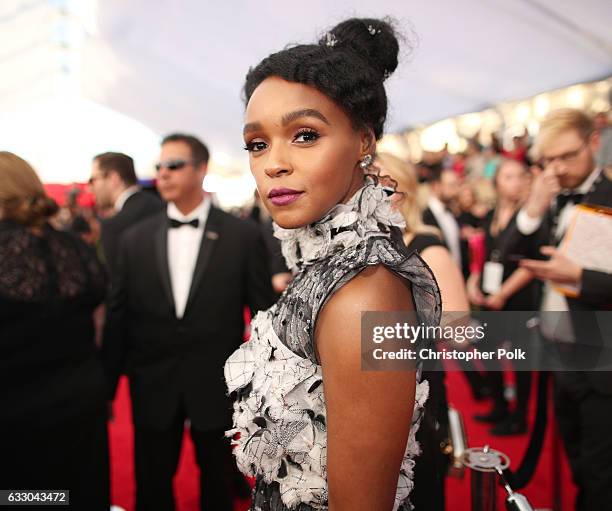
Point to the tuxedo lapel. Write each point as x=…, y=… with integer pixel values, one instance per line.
x=161, y=255
x=209, y=239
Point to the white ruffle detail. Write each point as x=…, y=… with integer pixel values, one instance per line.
x=281, y=421
x=361, y=216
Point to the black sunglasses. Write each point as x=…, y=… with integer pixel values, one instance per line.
x=173, y=165
x=93, y=179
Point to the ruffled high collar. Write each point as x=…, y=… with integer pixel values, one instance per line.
x=369, y=212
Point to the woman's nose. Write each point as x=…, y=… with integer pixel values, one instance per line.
x=277, y=163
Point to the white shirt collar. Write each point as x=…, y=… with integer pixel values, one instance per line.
x=586, y=185
x=124, y=196
x=436, y=205
x=200, y=212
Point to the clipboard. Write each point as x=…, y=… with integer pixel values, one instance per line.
x=588, y=242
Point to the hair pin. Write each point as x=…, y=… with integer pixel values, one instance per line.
x=373, y=31
x=330, y=40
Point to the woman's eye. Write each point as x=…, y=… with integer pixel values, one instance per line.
x=255, y=147
x=306, y=136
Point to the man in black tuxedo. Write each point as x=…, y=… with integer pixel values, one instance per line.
x=114, y=184
x=567, y=144
x=175, y=314
x=444, y=188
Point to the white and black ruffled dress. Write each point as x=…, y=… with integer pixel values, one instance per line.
x=279, y=409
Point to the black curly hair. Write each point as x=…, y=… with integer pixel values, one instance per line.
x=349, y=65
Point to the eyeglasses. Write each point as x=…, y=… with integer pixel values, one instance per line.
x=567, y=157
x=173, y=165
x=93, y=179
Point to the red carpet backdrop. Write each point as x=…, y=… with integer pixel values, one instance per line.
x=539, y=491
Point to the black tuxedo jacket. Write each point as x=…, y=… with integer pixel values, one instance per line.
x=595, y=291
x=430, y=219
x=136, y=208
x=173, y=362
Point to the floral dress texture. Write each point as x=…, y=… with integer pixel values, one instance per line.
x=275, y=379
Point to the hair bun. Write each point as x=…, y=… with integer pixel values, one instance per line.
x=374, y=40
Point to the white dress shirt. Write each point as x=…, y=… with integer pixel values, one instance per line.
x=183, y=248
x=449, y=226
x=553, y=326
x=124, y=196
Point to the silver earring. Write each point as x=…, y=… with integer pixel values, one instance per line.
x=366, y=162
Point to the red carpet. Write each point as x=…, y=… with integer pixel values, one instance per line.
x=540, y=491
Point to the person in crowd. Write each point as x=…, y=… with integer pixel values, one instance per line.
x=425, y=239
x=62, y=220
x=314, y=429
x=430, y=470
x=82, y=228
x=470, y=210
x=444, y=188
x=493, y=157
x=475, y=160
x=566, y=145
x=52, y=386
x=174, y=315
x=510, y=289
x=469, y=217
x=458, y=164
x=114, y=184
x=281, y=276
x=604, y=131
x=520, y=148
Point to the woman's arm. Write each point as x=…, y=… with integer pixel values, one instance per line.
x=449, y=277
x=474, y=293
x=513, y=284
x=369, y=413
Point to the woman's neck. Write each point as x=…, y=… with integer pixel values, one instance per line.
x=505, y=204
x=356, y=184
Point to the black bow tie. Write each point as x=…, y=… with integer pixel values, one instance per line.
x=177, y=223
x=565, y=198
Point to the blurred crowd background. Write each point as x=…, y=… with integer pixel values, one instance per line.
x=88, y=89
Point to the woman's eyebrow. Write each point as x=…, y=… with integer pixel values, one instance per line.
x=304, y=112
x=287, y=118
x=251, y=126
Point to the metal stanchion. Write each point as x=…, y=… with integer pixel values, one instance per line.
x=458, y=443
x=487, y=464
x=514, y=501
x=483, y=462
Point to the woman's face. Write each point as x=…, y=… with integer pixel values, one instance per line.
x=303, y=150
x=466, y=197
x=511, y=181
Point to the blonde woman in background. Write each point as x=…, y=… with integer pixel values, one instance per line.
x=424, y=238
x=430, y=472
x=53, y=432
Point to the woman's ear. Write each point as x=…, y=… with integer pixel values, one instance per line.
x=368, y=142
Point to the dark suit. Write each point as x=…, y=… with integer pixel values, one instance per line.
x=175, y=366
x=583, y=400
x=137, y=207
x=430, y=219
